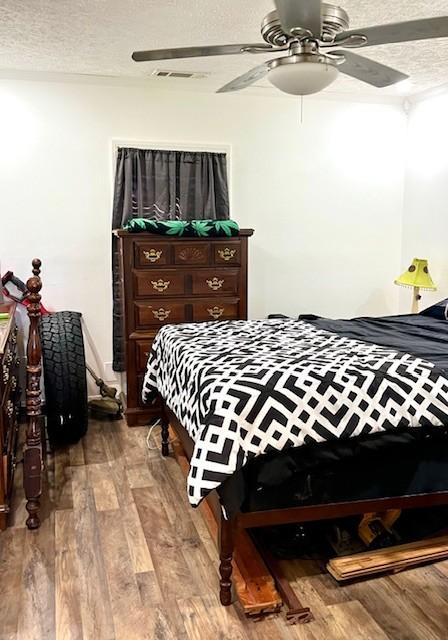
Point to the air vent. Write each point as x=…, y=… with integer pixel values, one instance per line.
x=186, y=75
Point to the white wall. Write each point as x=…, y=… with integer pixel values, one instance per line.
x=425, y=220
x=324, y=196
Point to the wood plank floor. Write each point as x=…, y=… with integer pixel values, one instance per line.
x=121, y=555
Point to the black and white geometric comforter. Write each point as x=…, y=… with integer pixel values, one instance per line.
x=246, y=388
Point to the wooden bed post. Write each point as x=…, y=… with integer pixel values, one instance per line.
x=165, y=424
x=226, y=530
x=32, y=456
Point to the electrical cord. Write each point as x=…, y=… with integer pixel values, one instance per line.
x=156, y=423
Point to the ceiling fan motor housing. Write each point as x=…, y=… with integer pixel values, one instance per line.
x=334, y=21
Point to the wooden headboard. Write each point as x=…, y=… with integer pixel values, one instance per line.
x=33, y=455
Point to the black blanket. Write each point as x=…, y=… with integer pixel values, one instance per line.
x=421, y=336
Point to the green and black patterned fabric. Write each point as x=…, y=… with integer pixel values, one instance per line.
x=186, y=228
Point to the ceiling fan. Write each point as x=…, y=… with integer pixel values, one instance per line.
x=314, y=35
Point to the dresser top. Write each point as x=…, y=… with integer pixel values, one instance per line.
x=5, y=325
x=155, y=236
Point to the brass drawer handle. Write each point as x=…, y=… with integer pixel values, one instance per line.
x=227, y=254
x=160, y=285
x=161, y=314
x=5, y=374
x=216, y=312
x=9, y=408
x=215, y=284
x=152, y=255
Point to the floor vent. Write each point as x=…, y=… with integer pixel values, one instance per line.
x=186, y=75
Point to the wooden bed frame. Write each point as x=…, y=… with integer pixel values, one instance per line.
x=285, y=515
x=34, y=449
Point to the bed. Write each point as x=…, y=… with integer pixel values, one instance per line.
x=262, y=406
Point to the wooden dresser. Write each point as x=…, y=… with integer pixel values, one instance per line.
x=9, y=397
x=171, y=280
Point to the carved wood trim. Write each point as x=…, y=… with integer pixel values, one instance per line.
x=32, y=457
x=192, y=255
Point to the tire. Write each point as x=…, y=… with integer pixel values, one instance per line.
x=65, y=380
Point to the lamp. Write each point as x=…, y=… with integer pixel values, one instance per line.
x=417, y=277
x=302, y=74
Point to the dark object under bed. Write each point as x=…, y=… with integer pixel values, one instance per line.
x=408, y=462
x=391, y=464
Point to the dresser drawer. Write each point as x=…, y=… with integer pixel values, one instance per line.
x=142, y=349
x=9, y=365
x=216, y=281
x=194, y=253
x=158, y=283
x=213, y=309
x=8, y=420
x=155, y=314
x=9, y=434
x=227, y=252
x=151, y=254
x=151, y=314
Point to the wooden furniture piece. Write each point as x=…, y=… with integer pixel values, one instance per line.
x=249, y=520
x=370, y=563
x=9, y=405
x=33, y=453
x=171, y=280
x=254, y=585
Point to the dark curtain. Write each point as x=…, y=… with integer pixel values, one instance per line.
x=166, y=185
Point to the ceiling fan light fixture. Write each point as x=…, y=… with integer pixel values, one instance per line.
x=302, y=75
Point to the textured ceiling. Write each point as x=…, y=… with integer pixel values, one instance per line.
x=97, y=37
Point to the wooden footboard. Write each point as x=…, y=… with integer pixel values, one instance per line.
x=289, y=515
x=239, y=561
x=33, y=458
x=225, y=527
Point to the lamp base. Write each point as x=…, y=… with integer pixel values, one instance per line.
x=416, y=297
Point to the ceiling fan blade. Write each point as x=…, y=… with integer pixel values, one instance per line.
x=368, y=70
x=246, y=79
x=298, y=15
x=401, y=31
x=196, y=52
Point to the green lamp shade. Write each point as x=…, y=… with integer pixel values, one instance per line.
x=417, y=275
